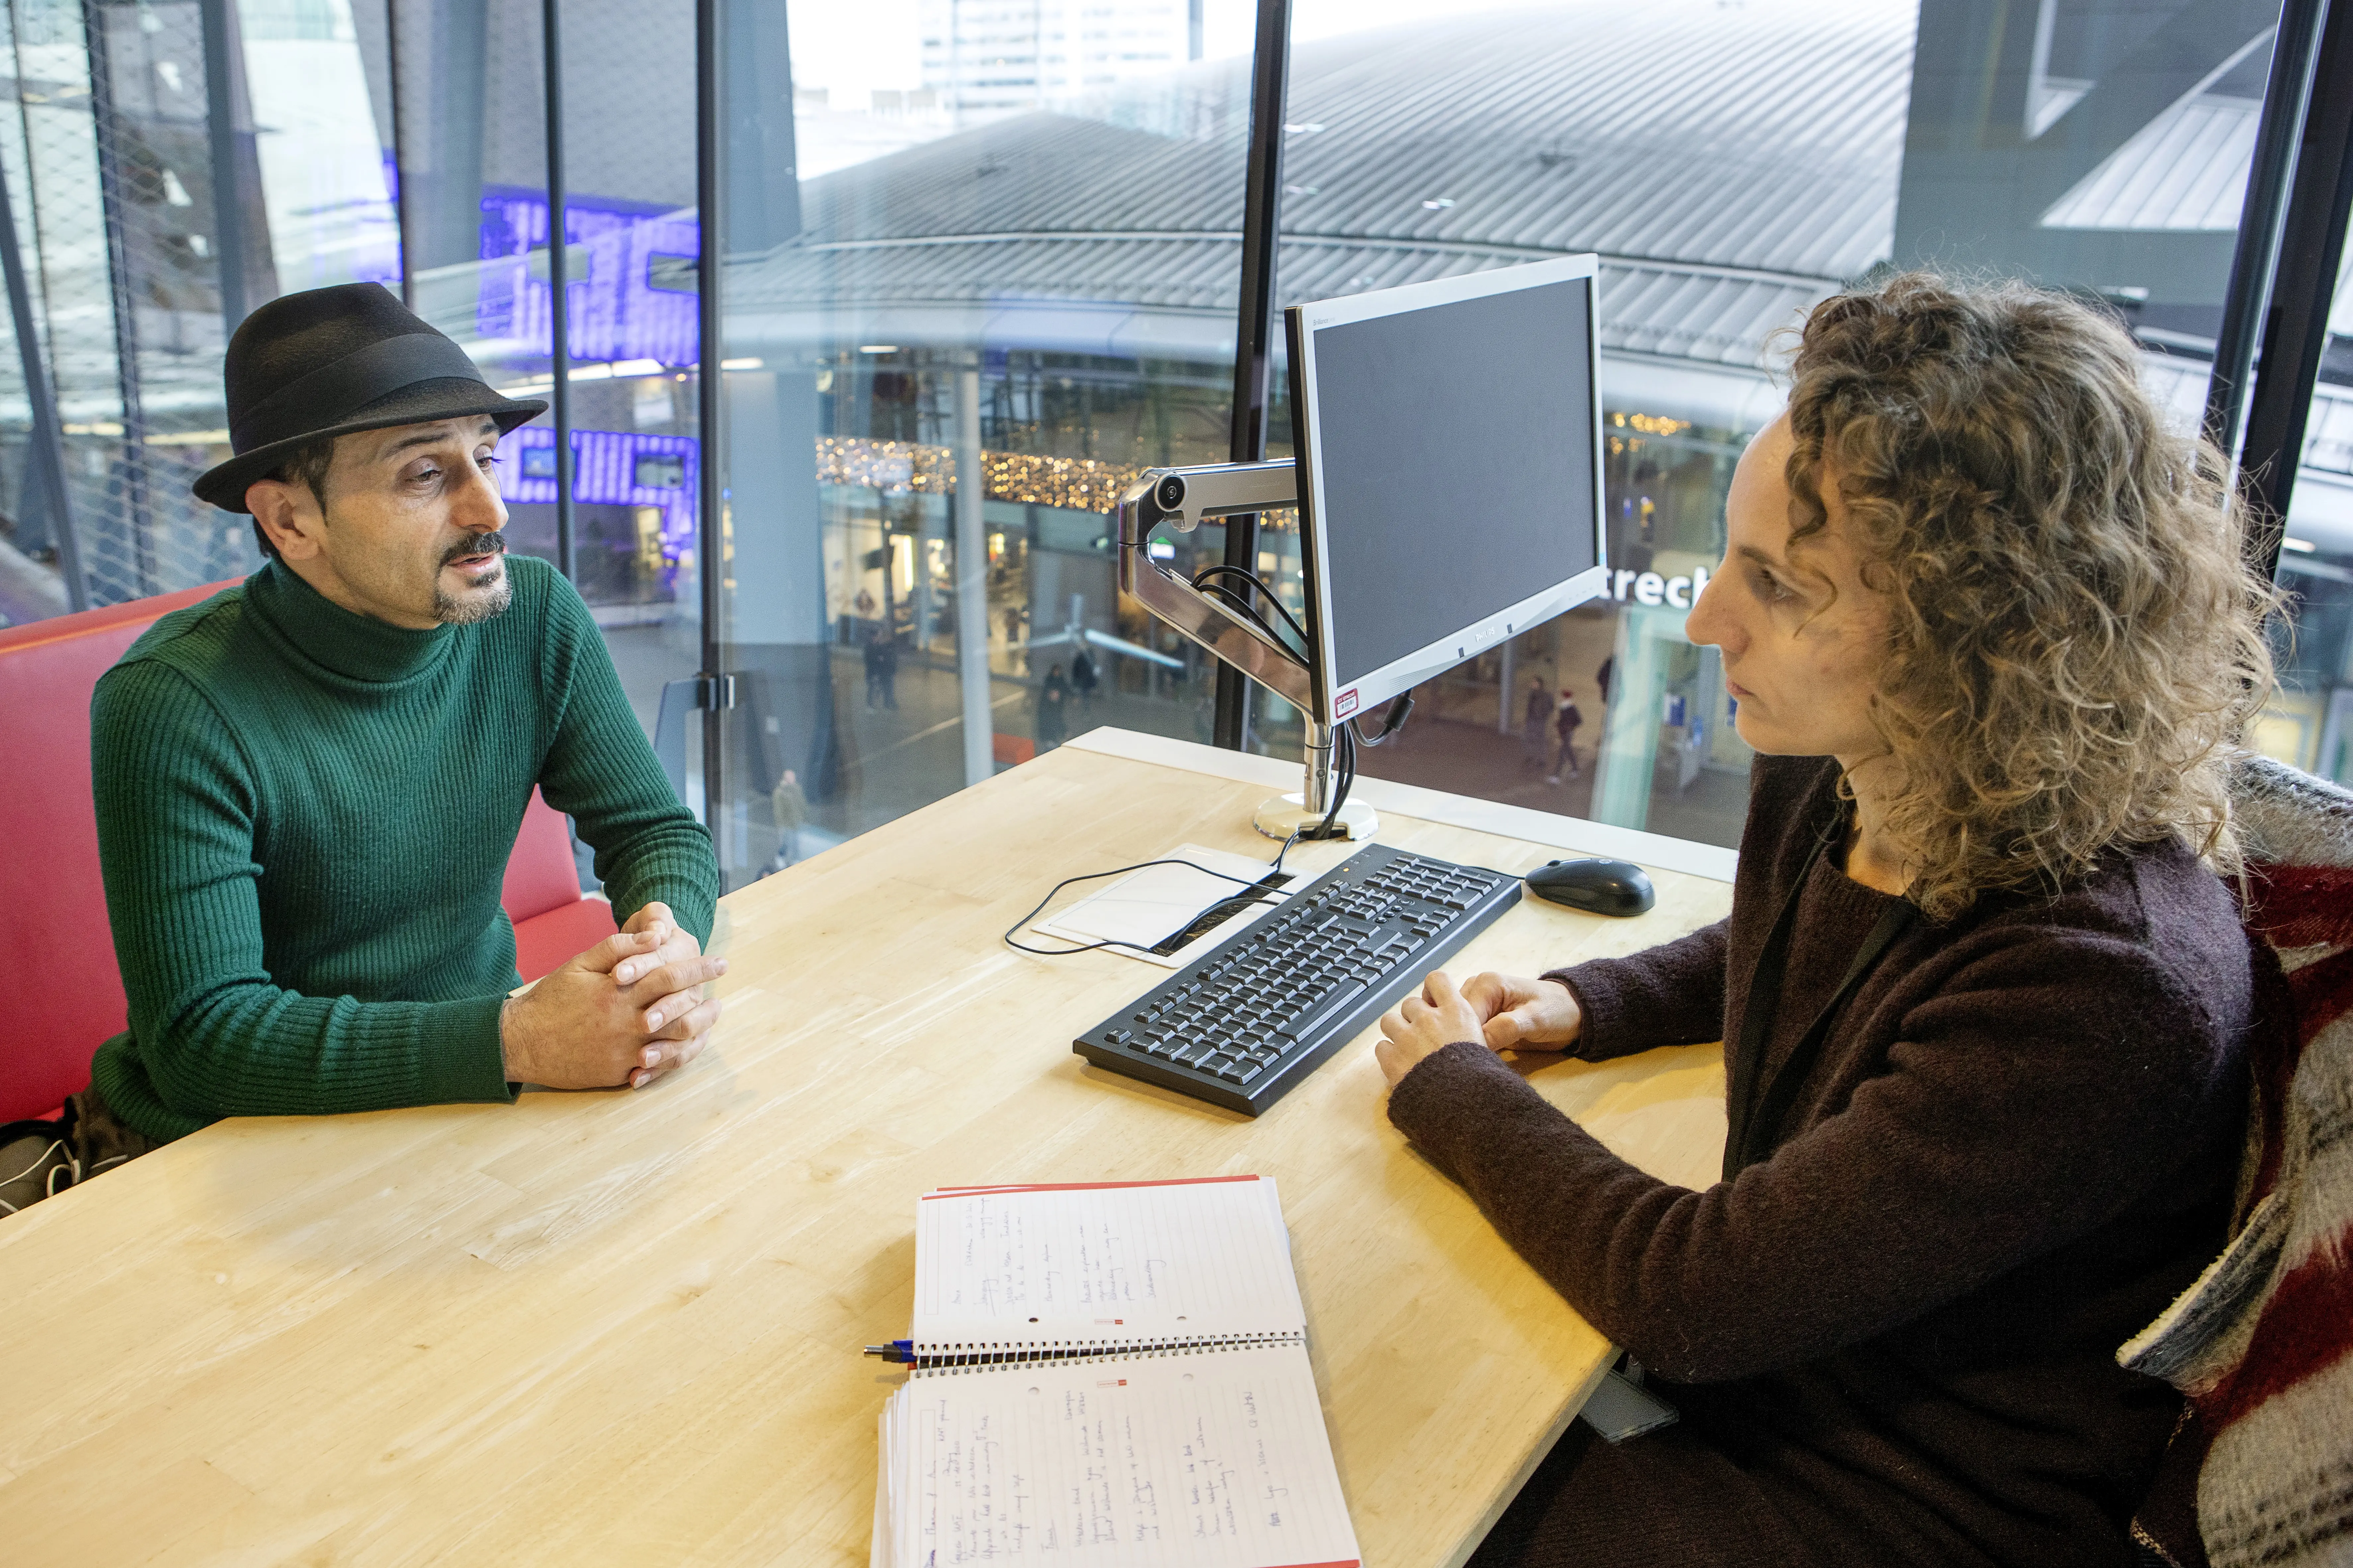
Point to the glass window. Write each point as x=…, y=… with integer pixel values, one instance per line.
x=1731, y=166
x=474, y=143
x=1003, y=285
x=633, y=251
x=981, y=270
x=1734, y=166
x=2308, y=723
x=147, y=226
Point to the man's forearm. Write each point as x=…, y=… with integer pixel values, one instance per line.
x=262, y=1051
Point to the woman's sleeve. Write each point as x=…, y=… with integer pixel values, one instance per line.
x=1672, y=995
x=2030, y=1100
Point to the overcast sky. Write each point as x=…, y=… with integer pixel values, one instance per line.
x=851, y=50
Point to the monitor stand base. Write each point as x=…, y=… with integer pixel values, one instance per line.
x=1280, y=816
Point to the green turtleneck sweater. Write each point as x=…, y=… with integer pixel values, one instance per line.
x=304, y=816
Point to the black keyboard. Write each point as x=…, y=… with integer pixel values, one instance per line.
x=1245, y=1023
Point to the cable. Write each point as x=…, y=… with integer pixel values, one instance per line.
x=1345, y=776
x=1347, y=779
x=1277, y=864
x=1242, y=608
x=1221, y=570
x=1392, y=723
x=1257, y=888
x=1203, y=577
x=49, y=1182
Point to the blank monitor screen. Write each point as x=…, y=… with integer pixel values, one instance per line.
x=1452, y=453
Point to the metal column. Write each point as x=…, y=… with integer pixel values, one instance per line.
x=402, y=222
x=1254, y=336
x=559, y=309
x=2286, y=92
x=2304, y=288
x=1505, y=671
x=972, y=581
x=114, y=207
x=48, y=457
x=710, y=536
x=222, y=123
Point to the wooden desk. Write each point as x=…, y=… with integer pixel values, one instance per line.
x=624, y=1328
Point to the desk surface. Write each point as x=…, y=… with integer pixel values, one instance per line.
x=624, y=1328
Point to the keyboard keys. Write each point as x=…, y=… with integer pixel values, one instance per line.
x=1281, y=990
x=1327, y=1004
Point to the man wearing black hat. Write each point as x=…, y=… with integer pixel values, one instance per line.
x=308, y=785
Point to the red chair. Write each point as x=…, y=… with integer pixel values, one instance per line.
x=553, y=921
x=48, y=856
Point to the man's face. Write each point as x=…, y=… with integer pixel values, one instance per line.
x=409, y=530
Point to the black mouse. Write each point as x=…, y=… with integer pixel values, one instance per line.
x=1597, y=886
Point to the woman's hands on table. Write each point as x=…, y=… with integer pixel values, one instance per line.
x=1521, y=1015
x=1504, y=1010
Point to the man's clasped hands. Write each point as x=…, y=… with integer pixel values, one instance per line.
x=626, y=1011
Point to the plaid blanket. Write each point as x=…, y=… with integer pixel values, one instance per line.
x=2262, y=1343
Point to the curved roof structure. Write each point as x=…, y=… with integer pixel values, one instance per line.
x=1731, y=163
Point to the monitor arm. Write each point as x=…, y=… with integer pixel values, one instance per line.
x=1181, y=498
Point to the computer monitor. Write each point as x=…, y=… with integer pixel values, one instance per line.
x=1449, y=455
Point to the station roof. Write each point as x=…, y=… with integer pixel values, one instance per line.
x=1731, y=163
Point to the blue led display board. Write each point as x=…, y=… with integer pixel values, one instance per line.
x=637, y=300
x=609, y=467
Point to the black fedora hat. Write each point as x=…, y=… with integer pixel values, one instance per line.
x=329, y=362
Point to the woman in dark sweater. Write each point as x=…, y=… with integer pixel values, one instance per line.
x=1982, y=991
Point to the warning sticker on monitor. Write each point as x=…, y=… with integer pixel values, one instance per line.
x=1344, y=704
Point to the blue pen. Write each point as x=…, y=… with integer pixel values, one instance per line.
x=897, y=1349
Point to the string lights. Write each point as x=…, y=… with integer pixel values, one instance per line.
x=913, y=468
x=902, y=467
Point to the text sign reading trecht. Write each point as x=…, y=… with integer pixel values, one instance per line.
x=1649, y=588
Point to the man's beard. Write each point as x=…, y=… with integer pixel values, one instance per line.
x=481, y=604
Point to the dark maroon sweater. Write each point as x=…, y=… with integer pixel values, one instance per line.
x=2016, y=1147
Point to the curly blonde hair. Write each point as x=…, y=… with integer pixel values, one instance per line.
x=2075, y=640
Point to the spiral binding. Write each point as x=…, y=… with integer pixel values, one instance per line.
x=944, y=1359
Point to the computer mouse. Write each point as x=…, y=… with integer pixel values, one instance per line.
x=1597, y=886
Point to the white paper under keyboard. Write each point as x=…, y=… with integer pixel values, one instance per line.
x=1104, y=1265
x=1214, y=1460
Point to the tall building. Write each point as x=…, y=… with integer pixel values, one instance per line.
x=1007, y=55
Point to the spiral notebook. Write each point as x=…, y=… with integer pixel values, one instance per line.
x=1111, y=1374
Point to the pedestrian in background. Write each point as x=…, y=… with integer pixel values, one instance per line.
x=1565, y=720
x=1052, y=696
x=1012, y=632
x=887, y=662
x=1535, y=718
x=1084, y=679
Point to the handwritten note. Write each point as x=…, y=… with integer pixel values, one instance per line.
x=1124, y=1265
x=1212, y=1460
